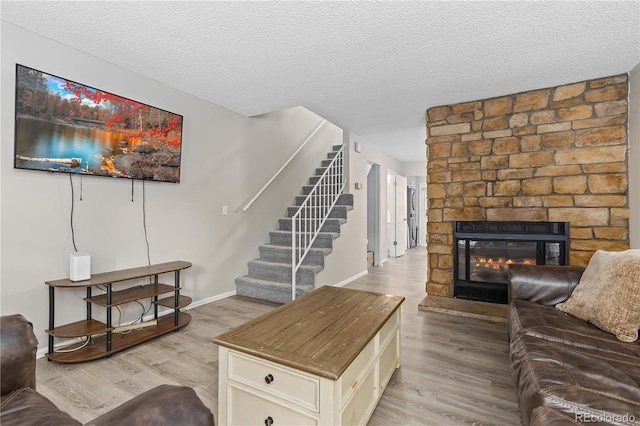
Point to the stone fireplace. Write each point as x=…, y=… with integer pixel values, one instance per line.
x=551, y=155
x=484, y=250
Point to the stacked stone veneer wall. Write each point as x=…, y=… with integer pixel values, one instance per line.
x=557, y=154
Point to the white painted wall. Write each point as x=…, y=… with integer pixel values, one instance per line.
x=634, y=156
x=415, y=168
x=226, y=159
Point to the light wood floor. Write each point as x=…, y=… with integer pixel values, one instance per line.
x=455, y=370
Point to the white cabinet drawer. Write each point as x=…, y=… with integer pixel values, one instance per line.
x=389, y=327
x=249, y=409
x=352, y=375
x=290, y=385
x=361, y=405
x=389, y=360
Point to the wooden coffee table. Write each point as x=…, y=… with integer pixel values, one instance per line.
x=323, y=359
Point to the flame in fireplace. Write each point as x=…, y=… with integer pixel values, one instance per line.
x=482, y=267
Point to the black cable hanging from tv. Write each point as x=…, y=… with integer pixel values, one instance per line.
x=73, y=235
x=144, y=222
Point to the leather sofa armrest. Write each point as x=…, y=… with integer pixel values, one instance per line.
x=162, y=405
x=543, y=284
x=18, y=346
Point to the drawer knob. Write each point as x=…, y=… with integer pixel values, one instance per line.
x=268, y=421
x=268, y=378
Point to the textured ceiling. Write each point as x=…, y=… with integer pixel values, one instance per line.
x=372, y=67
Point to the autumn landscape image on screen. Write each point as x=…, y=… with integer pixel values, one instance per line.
x=64, y=126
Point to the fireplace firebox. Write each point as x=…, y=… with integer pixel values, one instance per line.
x=483, y=252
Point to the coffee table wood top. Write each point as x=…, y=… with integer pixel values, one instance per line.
x=321, y=332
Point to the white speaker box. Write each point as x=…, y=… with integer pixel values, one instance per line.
x=80, y=266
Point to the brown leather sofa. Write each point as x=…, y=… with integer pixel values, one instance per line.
x=566, y=370
x=21, y=404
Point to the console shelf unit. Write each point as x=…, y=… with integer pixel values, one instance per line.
x=106, y=341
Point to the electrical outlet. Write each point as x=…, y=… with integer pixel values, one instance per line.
x=225, y=210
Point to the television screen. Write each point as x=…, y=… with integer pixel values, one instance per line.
x=64, y=126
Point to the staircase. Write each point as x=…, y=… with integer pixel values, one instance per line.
x=270, y=276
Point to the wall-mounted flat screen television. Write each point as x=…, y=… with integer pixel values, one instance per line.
x=64, y=126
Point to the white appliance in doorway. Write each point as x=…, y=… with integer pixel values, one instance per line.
x=412, y=217
x=422, y=215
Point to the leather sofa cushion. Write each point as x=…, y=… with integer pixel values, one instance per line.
x=27, y=407
x=551, y=324
x=163, y=405
x=18, y=354
x=543, y=284
x=573, y=381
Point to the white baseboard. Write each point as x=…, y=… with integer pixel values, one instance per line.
x=211, y=299
x=43, y=351
x=353, y=278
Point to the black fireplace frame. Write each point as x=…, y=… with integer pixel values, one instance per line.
x=538, y=232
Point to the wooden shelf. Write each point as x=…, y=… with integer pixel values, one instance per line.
x=132, y=294
x=103, y=341
x=169, y=301
x=97, y=348
x=122, y=275
x=79, y=329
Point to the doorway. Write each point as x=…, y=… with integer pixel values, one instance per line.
x=396, y=214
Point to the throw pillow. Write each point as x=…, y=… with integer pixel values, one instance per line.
x=608, y=294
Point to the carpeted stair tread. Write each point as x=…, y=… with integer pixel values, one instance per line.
x=338, y=219
x=331, y=224
x=281, y=272
x=287, y=249
x=306, y=189
x=337, y=211
x=332, y=235
x=284, y=238
x=268, y=290
x=343, y=200
x=245, y=279
x=284, y=266
x=282, y=254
